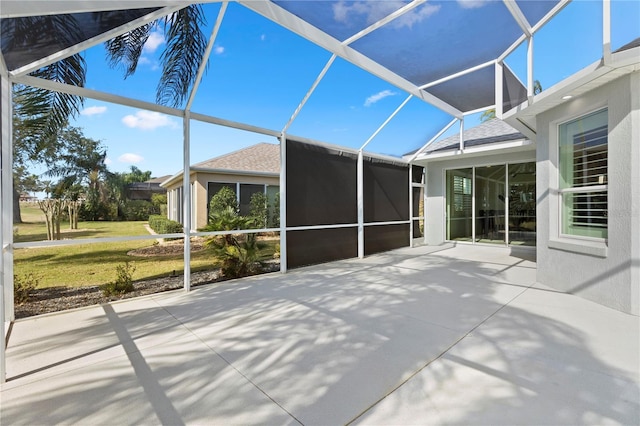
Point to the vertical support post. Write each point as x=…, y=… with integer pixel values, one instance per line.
x=499, y=92
x=360, y=201
x=283, y=203
x=6, y=283
x=530, y=70
x=473, y=205
x=7, y=197
x=606, y=31
x=506, y=204
x=424, y=204
x=461, y=134
x=410, y=205
x=186, y=198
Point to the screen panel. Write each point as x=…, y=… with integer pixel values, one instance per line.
x=384, y=238
x=321, y=185
x=386, y=196
x=321, y=245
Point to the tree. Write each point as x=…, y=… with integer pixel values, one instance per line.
x=39, y=114
x=491, y=113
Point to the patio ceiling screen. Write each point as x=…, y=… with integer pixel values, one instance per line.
x=321, y=191
x=29, y=39
x=385, y=200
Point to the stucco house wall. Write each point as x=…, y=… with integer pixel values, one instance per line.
x=608, y=273
x=201, y=180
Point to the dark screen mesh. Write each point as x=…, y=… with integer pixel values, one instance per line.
x=386, y=196
x=513, y=92
x=246, y=192
x=384, y=238
x=321, y=185
x=417, y=233
x=321, y=245
x=416, y=174
x=28, y=39
x=214, y=187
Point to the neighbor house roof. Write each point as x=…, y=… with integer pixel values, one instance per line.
x=489, y=132
x=262, y=159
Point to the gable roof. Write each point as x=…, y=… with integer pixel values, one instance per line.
x=489, y=132
x=262, y=157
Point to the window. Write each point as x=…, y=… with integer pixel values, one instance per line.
x=584, y=176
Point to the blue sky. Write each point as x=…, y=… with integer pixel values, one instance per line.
x=259, y=72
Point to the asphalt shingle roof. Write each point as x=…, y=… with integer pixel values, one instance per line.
x=262, y=157
x=492, y=131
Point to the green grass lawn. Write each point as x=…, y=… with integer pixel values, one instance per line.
x=94, y=264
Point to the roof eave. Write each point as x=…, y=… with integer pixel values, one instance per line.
x=494, y=148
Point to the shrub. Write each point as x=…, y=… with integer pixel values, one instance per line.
x=239, y=258
x=162, y=225
x=123, y=282
x=23, y=286
x=224, y=199
x=139, y=209
x=259, y=210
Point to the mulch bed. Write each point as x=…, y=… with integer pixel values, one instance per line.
x=53, y=299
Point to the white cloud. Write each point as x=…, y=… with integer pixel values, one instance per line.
x=153, y=42
x=346, y=12
x=107, y=161
x=130, y=158
x=378, y=97
x=472, y=4
x=263, y=37
x=93, y=110
x=218, y=50
x=147, y=120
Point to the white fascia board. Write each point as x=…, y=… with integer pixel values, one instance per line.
x=22, y=8
x=293, y=23
x=626, y=58
x=234, y=172
x=494, y=148
x=193, y=170
x=93, y=41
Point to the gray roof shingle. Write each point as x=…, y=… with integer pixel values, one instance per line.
x=262, y=157
x=492, y=131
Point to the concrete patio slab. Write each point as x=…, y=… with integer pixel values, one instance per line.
x=414, y=336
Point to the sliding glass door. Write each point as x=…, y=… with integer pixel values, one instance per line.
x=522, y=204
x=492, y=204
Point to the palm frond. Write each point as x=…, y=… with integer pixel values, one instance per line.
x=186, y=44
x=125, y=50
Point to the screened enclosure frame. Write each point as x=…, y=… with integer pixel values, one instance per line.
x=278, y=12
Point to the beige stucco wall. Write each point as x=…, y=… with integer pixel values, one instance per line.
x=608, y=274
x=201, y=179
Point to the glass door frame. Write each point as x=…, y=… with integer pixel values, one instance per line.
x=507, y=196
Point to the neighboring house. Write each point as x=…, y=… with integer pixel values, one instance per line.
x=246, y=171
x=144, y=190
x=568, y=184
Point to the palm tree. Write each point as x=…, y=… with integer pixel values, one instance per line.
x=40, y=114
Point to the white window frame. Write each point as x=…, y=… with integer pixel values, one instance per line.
x=558, y=239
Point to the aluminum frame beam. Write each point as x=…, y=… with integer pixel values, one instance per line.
x=298, y=26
